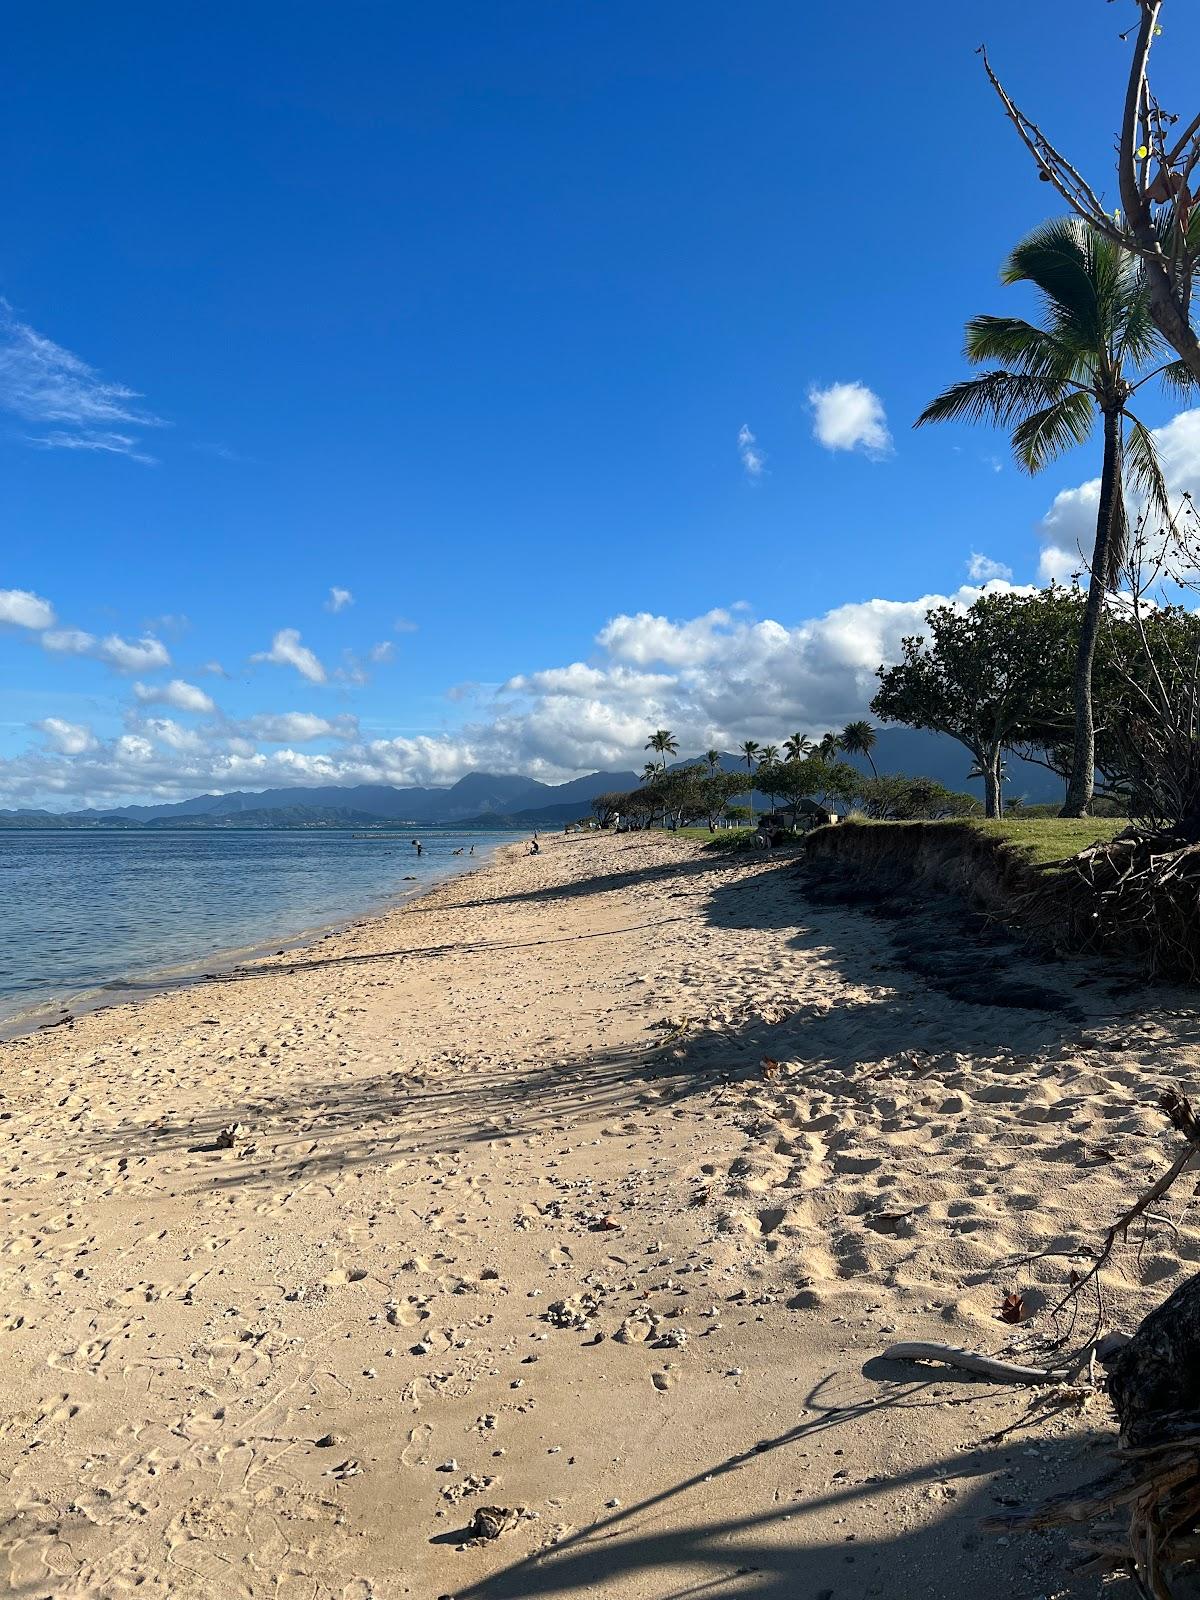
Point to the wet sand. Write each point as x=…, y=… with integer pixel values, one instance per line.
x=491, y=1201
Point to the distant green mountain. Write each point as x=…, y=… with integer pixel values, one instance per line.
x=485, y=799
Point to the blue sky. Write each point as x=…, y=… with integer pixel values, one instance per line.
x=461, y=310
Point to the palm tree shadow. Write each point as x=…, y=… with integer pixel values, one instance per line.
x=672, y=1546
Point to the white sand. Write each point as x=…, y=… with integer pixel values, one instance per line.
x=454, y=1117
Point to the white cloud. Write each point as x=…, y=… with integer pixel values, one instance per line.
x=644, y=638
x=339, y=599
x=754, y=460
x=849, y=416
x=23, y=609
x=714, y=679
x=69, y=738
x=44, y=384
x=287, y=651
x=215, y=667
x=286, y=727
x=133, y=655
x=174, y=736
x=1069, y=527
x=69, y=641
x=125, y=655
x=403, y=625
x=982, y=569
x=183, y=696
x=382, y=652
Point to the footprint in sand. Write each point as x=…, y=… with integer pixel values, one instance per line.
x=416, y=1452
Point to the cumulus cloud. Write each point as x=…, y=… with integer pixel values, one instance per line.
x=849, y=416
x=182, y=696
x=1068, y=529
x=714, y=679
x=754, y=460
x=339, y=599
x=982, y=569
x=23, y=609
x=69, y=738
x=287, y=651
x=48, y=386
x=125, y=655
x=644, y=638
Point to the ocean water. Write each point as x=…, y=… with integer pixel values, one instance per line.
x=109, y=911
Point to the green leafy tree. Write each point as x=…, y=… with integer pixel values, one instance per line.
x=894, y=798
x=1085, y=362
x=662, y=742
x=991, y=676
x=859, y=739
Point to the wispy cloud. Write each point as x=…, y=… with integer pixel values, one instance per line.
x=754, y=460
x=849, y=416
x=44, y=384
x=339, y=599
x=403, y=625
x=146, y=654
x=382, y=652
x=287, y=651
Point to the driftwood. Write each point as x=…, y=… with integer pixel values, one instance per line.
x=986, y=1366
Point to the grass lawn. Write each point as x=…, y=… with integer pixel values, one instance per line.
x=1042, y=839
x=1052, y=838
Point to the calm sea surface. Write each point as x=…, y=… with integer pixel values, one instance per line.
x=86, y=911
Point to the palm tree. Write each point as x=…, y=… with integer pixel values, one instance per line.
x=650, y=772
x=797, y=747
x=768, y=754
x=858, y=739
x=713, y=757
x=749, y=748
x=828, y=746
x=662, y=741
x=1052, y=384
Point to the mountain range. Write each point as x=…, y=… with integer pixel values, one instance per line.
x=496, y=799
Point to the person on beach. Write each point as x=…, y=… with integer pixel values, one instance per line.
x=471, y=851
x=534, y=848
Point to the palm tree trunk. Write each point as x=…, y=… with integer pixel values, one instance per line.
x=871, y=759
x=1083, y=764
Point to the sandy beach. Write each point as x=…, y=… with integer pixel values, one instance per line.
x=492, y=1202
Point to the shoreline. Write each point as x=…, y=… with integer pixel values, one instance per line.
x=64, y=1007
x=308, y=1263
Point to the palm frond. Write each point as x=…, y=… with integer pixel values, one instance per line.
x=1144, y=470
x=1019, y=346
x=999, y=397
x=1046, y=434
x=1179, y=379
